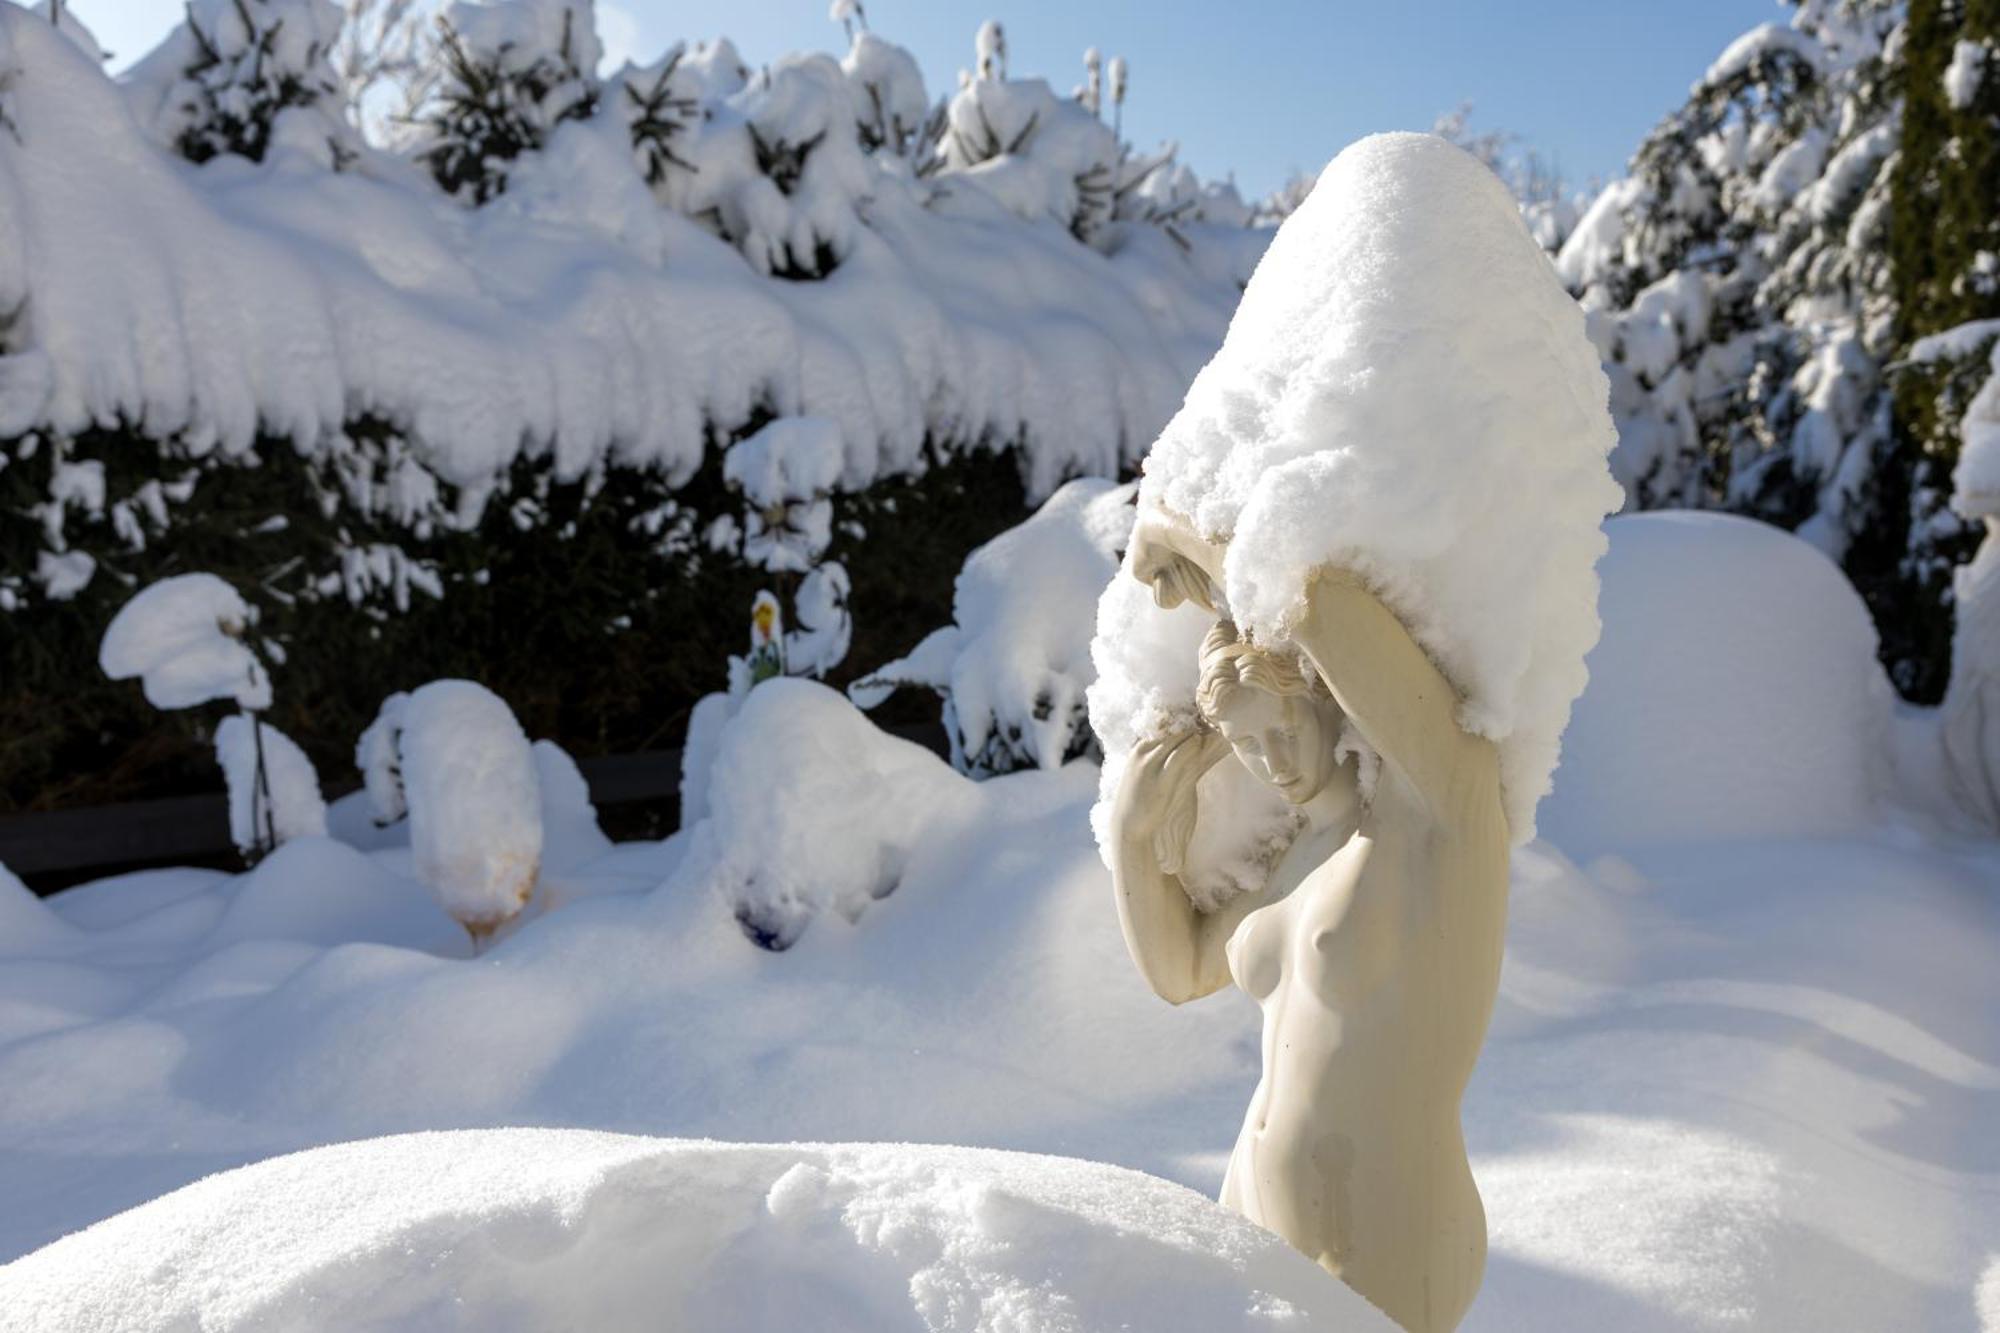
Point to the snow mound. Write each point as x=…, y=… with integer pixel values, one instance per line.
x=532, y=1228
x=1735, y=692
x=183, y=638
x=1407, y=391
x=811, y=807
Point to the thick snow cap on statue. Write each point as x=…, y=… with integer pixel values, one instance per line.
x=1406, y=392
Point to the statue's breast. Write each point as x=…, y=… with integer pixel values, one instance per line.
x=1256, y=951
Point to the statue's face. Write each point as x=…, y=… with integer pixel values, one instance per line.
x=1285, y=740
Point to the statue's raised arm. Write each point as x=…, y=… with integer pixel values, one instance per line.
x=1395, y=697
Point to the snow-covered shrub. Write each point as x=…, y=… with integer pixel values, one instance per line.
x=468, y=775
x=785, y=472
x=378, y=754
x=810, y=809
x=1040, y=156
x=825, y=626
x=661, y=108
x=895, y=110
x=794, y=215
x=185, y=638
x=1014, y=664
x=273, y=791
x=243, y=76
x=1699, y=722
x=512, y=71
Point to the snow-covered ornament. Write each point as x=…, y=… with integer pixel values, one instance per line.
x=767, y=638
x=475, y=807
x=1119, y=77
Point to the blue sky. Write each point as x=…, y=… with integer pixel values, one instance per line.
x=1259, y=87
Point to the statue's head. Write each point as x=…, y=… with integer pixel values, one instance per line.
x=1277, y=716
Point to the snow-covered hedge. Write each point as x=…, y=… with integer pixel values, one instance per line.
x=232, y=317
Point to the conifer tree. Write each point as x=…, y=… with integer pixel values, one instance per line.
x=511, y=72
x=251, y=70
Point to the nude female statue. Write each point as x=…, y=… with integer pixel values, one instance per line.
x=1374, y=949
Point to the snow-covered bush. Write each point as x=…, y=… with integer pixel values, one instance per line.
x=468, y=776
x=512, y=71
x=414, y=432
x=273, y=791
x=895, y=110
x=1701, y=723
x=378, y=754
x=1014, y=664
x=244, y=76
x=810, y=808
x=185, y=638
x=786, y=472
x=1039, y=155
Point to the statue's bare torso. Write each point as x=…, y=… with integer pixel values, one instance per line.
x=1351, y=1146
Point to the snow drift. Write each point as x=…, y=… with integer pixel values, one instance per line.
x=547, y=1229
x=1405, y=391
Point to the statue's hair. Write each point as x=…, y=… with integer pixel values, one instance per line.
x=1229, y=662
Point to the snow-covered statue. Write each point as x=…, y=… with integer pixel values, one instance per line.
x=1333, y=682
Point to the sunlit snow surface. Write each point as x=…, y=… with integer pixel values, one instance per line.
x=543, y=1229
x=1743, y=1079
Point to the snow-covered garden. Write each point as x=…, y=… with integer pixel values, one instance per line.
x=862, y=1045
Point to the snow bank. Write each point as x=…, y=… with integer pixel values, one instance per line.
x=1014, y=663
x=532, y=1228
x=1727, y=1086
x=475, y=810
x=183, y=637
x=286, y=805
x=811, y=808
x=1407, y=391
x=1735, y=693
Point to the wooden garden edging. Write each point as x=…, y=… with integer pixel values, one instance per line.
x=53, y=848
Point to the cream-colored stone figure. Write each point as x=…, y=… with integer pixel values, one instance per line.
x=1374, y=950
